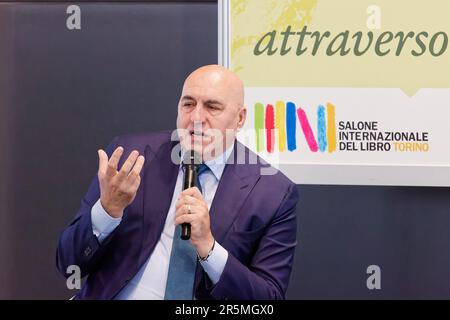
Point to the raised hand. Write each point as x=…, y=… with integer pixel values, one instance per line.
x=118, y=188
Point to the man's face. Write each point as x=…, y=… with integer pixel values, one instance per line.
x=210, y=111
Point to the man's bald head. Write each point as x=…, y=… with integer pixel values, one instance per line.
x=219, y=77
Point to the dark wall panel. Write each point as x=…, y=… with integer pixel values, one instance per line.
x=71, y=92
x=6, y=201
x=344, y=229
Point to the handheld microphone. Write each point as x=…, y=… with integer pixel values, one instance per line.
x=191, y=160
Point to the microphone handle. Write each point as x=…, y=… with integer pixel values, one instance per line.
x=189, y=182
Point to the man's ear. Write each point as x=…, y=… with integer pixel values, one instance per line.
x=241, y=117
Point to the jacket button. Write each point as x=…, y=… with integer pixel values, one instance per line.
x=87, y=251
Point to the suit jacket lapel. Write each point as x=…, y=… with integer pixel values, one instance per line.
x=234, y=187
x=160, y=176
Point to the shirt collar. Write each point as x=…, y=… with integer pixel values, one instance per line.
x=217, y=165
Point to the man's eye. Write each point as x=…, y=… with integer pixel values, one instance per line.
x=188, y=104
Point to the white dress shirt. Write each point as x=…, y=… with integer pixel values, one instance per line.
x=150, y=281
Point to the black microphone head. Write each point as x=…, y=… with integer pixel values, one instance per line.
x=192, y=157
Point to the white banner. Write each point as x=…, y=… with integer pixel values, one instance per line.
x=341, y=92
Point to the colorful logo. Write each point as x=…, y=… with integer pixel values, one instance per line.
x=283, y=119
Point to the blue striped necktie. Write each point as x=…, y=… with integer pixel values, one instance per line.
x=183, y=261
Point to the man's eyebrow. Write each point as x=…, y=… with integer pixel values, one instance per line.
x=187, y=98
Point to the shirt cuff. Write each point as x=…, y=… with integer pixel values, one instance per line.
x=102, y=223
x=216, y=263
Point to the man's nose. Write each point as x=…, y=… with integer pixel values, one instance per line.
x=199, y=114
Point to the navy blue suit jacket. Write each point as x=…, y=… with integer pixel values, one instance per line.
x=253, y=217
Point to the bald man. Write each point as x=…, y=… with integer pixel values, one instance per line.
x=126, y=236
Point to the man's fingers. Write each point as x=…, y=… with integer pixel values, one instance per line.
x=137, y=167
x=132, y=182
x=195, y=209
x=130, y=186
x=114, y=161
x=185, y=218
x=133, y=179
x=193, y=192
x=135, y=185
x=126, y=167
x=184, y=199
x=102, y=161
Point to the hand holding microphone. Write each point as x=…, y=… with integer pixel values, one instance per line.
x=192, y=210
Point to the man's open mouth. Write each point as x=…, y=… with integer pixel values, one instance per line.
x=196, y=133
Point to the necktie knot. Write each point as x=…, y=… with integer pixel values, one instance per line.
x=201, y=169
